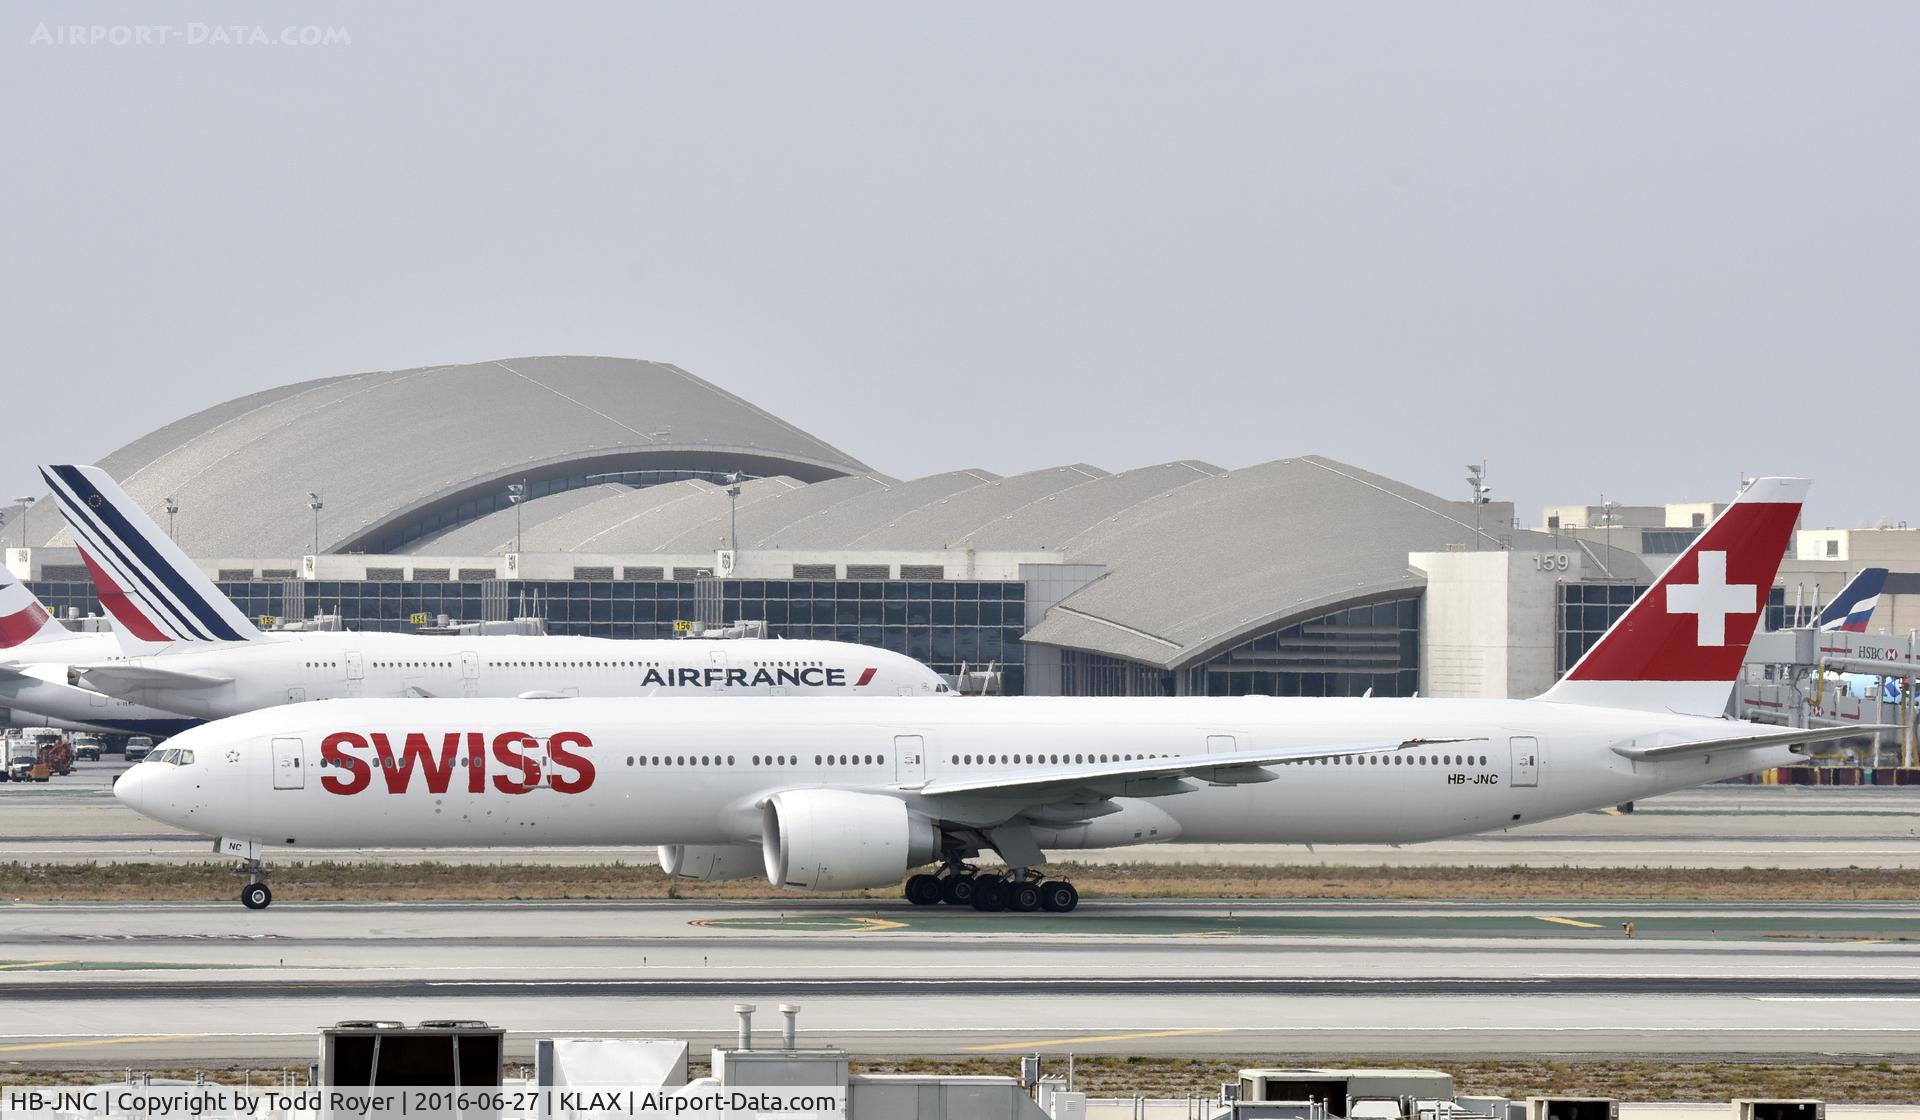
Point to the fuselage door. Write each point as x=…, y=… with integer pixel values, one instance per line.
x=1221, y=744
x=289, y=770
x=910, y=760
x=1526, y=760
x=469, y=673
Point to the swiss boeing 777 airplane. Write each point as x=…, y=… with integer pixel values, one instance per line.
x=838, y=795
x=190, y=651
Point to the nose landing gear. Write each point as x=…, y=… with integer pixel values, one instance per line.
x=255, y=895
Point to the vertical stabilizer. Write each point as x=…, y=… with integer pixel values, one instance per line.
x=153, y=591
x=23, y=621
x=1680, y=646
x=1853, y=607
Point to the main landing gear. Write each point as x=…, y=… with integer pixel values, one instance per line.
x=1018, y=890
x=255, y=895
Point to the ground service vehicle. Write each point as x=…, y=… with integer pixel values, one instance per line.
x=138, y=747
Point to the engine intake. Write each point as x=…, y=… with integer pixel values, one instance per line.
x=832, y=840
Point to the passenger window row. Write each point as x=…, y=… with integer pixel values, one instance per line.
x=1395, y=760
x=1045, y=759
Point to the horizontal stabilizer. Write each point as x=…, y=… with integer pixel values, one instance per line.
x=117, y=677
x=1783, y=737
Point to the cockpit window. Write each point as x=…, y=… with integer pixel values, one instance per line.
x=173, y=756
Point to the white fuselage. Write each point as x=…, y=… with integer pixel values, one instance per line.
x=35, y=689
x=675, y=772
x=346, y=665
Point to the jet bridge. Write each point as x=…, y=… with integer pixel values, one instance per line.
x=1811, y=678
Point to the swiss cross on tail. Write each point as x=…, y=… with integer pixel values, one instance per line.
x=1679, y=647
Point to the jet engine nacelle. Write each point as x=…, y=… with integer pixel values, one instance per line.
x=710, y=863
x=832, y=840
x=1137, y=822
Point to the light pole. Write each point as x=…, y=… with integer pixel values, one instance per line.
x=172, y=507
x=26, y=503
x=314, y=503
x=1606, y=519
x=733, y=511
x=516, y=493
x=1477, y=486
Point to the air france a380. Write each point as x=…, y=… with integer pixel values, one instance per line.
x=189, y=651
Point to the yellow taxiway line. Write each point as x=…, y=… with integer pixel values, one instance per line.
x=95, y=1042
x=1566, y=921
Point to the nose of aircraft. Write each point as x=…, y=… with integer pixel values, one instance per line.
x=127, y=788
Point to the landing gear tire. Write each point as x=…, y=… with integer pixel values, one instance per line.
x=1023, y=898
x=924, y=890
x=957, y=890
x=1058, y=897
x=990, y=895
x=255, y=896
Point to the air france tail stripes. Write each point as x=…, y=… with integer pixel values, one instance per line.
x=136, y=588
x=119, y=605
x=1851, y=609
x=148, y=583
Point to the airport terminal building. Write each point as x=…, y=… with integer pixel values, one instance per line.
x=618, y=498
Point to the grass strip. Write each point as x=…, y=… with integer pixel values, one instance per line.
x=430, y=880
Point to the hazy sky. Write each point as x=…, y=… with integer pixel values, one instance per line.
x=1637, y=248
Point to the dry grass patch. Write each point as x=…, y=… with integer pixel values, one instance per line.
x=370, y=882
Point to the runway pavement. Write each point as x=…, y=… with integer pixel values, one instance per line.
x=156, y=984
x=76, y=819
x=150, y=984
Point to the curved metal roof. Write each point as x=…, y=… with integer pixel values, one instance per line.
x=1194, y=571
x=492, y=534
x=697, y=524
x=836, y=525
x=395, y=454
x=1051, y=521
x=949, y=520
x=587, y=528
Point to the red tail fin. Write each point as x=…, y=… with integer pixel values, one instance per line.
x=23, y=620
x=1680, y=646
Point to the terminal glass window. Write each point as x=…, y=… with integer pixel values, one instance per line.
x=1371, y=646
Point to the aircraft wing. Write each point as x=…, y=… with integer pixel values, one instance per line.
x=1155, y=777
x=114, y=678
x=1655, y=751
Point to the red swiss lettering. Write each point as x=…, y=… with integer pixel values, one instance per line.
x=359, y=774
x=476, y=762
x=504, y=752
x=417, y=754
x=580, y=768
